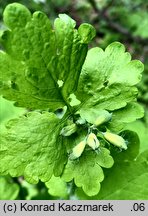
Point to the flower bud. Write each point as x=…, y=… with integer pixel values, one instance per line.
x=92, y=141
x=68, y=130
x=115, y=140
x=102, y=118
x=77, y=150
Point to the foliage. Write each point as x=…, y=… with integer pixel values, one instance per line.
x=64, y=88
x=8, y=110
x=129, y=184
x=9, y=189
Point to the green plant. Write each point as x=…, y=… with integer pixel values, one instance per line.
x=66, y=88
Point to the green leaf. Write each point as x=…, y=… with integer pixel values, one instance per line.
x=8, y=110
x=116, y=120
x=71, y=53
x=87, y=172
x=108, y=78
x=30, y=148
x=57, y=187
x=92, y=115
x=75, y=138
x=8, y=189
x=141, y=129
x=19, y=14
x=125, y=115
x=27, y=78
x=137, y=22
x=42, y=67
x=87, y=32
x=36, y=58
x=133, y=144
x=29, y=190
x=124, y=181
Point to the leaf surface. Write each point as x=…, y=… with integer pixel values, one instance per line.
x=87, y=172
x=141, y=129
x=37, y=56
x=127, y=180
x=125, y=115
x=31, y=146
x=108, y=78
x=57, y=187
x=124, y=181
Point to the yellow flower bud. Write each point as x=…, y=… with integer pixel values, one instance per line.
x=115, y=140
x=102, y=118
x=92, y=141
x=78, y=150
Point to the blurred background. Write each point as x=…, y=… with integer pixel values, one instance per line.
x=125, y=21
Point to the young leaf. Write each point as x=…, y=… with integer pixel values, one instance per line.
x=30, y=148
x=71, y=52
x=87, y=32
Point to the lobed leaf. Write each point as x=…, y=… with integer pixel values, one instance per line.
x=125, y=115
x=133, y=144
x=125, y=180
x=37, y=56
x=87, y=172
x=8, y=111
x=108, y=78
x=91, y=114
x=42, y=67
x=57, y=187
x=31, y=146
